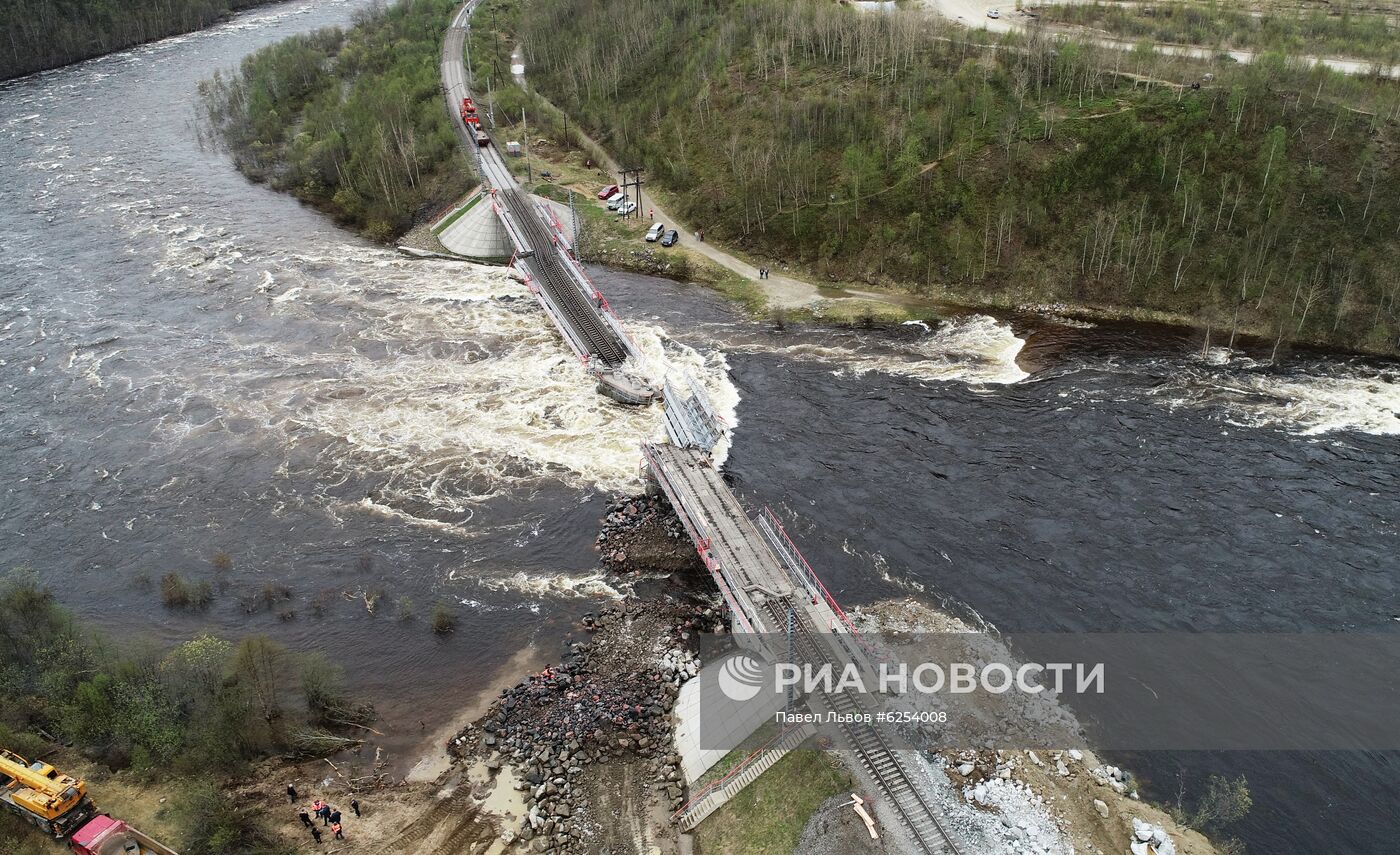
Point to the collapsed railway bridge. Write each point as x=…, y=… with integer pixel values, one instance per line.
x=768, y=588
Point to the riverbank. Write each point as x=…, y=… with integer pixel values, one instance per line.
x=577, y=755
x=37, y=37
x=909, y=227
x=570, y=159
x=952, y=177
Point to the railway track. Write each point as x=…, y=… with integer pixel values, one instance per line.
x=741, y=551
x=602, y=343
x=874, y=752
x=600, y=340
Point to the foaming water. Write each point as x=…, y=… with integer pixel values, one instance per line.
x=1312, y=400
x=974, y=350
x=555, y=585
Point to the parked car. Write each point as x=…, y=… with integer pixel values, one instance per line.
x=626, y=208
x=993, y=13
x=617, y=200
x=672, y=238
x=654, y=233
x=608, y=191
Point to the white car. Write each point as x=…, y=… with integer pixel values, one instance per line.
x=617, y=202
x=654, y=233
x=626, y=208
x=992, y=13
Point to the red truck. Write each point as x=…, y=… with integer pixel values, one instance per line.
x=468, y=109
x=106, y=836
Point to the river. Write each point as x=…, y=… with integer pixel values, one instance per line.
x=193, y=365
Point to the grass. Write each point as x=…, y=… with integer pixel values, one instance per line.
x=442, y=226
x=767, y=816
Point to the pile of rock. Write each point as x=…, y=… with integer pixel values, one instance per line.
x=642, y=533
x=1113, y=778
x=610, y=699
x=1149, y=839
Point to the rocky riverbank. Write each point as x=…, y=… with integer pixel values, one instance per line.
x=587, y=741
x=606, y=704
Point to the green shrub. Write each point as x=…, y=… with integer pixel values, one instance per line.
x=444, y=621
x=174, y=592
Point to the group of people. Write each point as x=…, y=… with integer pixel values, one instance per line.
x=322, y=810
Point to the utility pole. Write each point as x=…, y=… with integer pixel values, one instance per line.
x=634, y=182
x=467, y=43
x=529, y=175
x=496, y=59
x=792, y=654
x=573, y=217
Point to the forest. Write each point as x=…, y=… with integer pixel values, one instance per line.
x=895, y=150
x=352, y=122
x=42, y=34
x=899, y=151
x=200, y=710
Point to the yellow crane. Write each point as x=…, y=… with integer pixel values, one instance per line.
x=42, y=795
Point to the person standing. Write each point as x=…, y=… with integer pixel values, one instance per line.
x=335, y=828
x=335, y=817
x=316, y=833
x=305, y=818
x=291, y=794
x=325, y=813
x=355, y=806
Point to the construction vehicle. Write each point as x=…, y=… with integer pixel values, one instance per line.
x=468, y=109
x=106, y=836
x=481, y=138
x=40, y=794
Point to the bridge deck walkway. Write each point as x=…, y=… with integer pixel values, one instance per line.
x=726, y=538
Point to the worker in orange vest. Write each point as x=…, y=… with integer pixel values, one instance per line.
x=335, y=827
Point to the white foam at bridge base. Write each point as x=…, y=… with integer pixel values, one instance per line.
x=665, y=356
x=448, y=380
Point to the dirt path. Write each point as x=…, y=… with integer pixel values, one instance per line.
x=779, y=290
x=973, y=14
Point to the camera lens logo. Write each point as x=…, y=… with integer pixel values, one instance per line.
x=741, y=678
